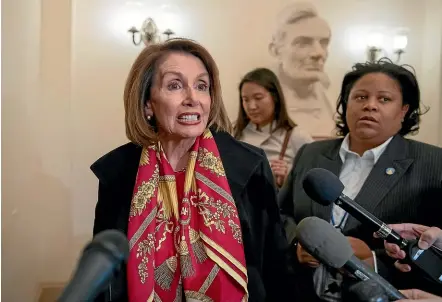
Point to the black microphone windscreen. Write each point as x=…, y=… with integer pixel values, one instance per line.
x=322, y=186
x=324, y=242
x=112, y=242
x=100, y=259
x=366, y=291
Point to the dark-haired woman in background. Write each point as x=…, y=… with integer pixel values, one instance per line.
x=394, y=178
x=263, y=121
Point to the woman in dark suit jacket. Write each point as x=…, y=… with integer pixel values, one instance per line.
x=396, y=179
x=199, y=208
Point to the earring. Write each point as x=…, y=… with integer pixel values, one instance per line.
x=149, y=117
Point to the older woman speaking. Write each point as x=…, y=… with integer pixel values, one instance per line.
x=198, y=207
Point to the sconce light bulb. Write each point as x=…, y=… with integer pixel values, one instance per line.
x=375, y=40
x=400, y=42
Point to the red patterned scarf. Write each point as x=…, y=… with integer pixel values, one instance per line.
x=185, y=238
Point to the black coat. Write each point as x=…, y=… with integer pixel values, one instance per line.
x=252, y=186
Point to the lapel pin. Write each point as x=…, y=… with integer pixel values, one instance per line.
x=390, y=171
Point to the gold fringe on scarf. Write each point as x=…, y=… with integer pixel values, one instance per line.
x=187, y=268
x=190, y=182
x=167, y=194
x=165, y=272
x=197, y=246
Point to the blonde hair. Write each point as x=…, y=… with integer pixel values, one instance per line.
x=139, y=83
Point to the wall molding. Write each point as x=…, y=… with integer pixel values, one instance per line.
x=49, y=292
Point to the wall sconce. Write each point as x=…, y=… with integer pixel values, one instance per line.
x=399, y=44
x=149, y=33
x=375, y=42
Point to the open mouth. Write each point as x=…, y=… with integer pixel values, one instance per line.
x=189, y=118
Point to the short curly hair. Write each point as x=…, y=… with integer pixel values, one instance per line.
x=409, y=88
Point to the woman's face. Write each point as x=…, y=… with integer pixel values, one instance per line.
x=375, y=110
x=181, y=96
x=257, y=103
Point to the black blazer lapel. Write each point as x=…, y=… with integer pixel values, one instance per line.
x=379, y=182
x=330, y=161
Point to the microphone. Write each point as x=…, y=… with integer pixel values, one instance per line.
x=365, y=291
x=325, y=188
x=100, y=259
x=328, y=245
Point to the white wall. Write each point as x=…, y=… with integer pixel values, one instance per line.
x=55, y=138
x=64, y=68
x=36, y=218
x=21, y=205
x=430, y=75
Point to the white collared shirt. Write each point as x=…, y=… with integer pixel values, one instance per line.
x=355, y=170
